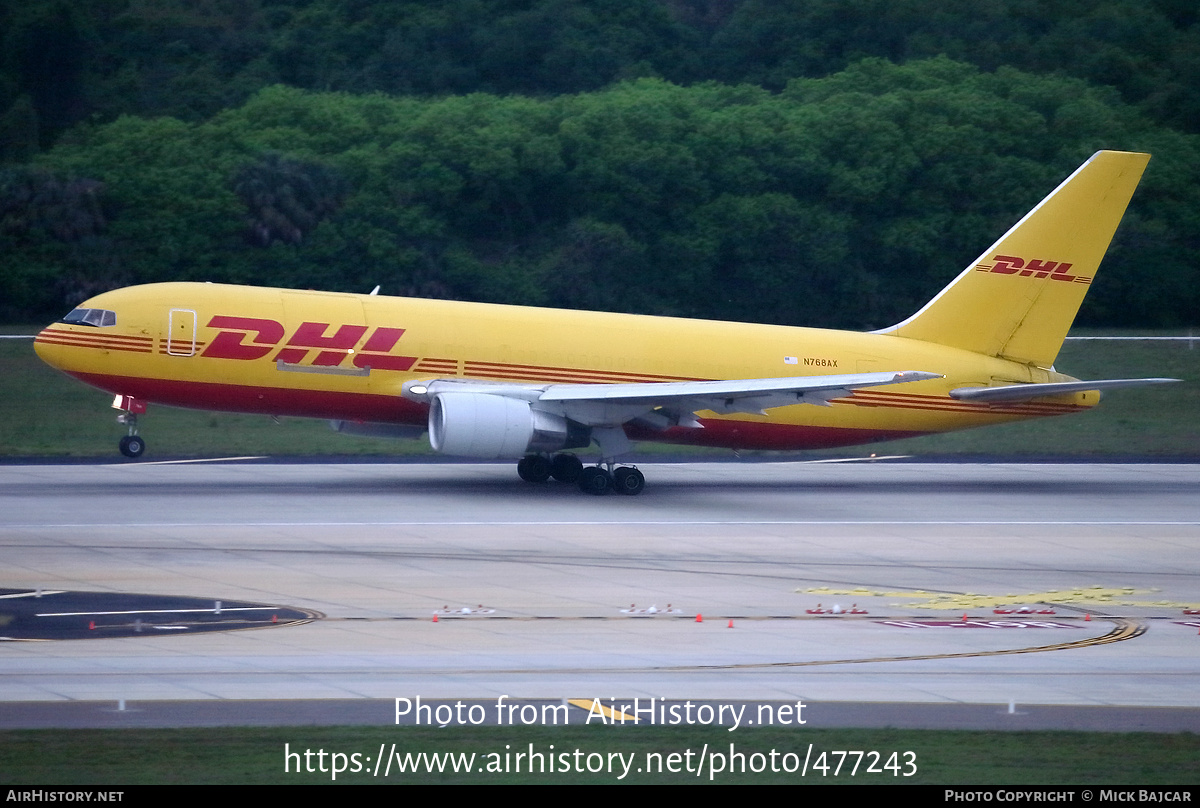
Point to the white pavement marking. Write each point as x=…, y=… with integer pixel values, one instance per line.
x=182, y=462
x=635, y=522
x=209, y=610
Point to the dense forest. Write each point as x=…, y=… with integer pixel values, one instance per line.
x=818, y=162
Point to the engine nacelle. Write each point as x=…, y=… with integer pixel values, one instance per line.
x=494, y=427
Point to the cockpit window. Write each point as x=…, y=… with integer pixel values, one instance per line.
x=95, y=317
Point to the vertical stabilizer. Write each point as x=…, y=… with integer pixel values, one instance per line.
x=1018, y=299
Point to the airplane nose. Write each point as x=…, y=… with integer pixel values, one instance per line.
x=47, y=347
x=39, y=344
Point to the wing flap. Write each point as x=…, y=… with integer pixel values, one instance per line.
x=1025, y=392
x=733, y=389
x=669, y=402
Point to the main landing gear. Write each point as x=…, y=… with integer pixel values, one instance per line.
x=567, y=468
x=599, y=480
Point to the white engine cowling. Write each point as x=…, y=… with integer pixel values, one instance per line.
x=493, y=427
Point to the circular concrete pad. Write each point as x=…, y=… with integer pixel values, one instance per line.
x=59, y=615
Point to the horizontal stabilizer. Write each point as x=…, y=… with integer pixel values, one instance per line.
x=1024, y=392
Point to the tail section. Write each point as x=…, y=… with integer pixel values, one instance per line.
x=1018, y=299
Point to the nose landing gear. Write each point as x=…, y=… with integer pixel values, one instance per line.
x=132, y=445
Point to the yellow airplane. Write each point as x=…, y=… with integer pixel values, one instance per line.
x=490, y=381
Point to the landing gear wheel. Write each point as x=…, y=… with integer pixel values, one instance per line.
x=628, y=481
x=595, y=480
x=566, y=468
x=132, y=446
x=533, y=469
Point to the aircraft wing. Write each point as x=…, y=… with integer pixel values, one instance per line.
x=1025, y=392
x=663, y=404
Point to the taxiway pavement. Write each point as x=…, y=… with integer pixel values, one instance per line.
x=542, y=592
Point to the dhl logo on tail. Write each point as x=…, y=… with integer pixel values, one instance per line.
x=1011, y=265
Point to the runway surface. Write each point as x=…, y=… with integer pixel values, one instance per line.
x=544, y=593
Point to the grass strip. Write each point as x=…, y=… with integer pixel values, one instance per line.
x=257, y=755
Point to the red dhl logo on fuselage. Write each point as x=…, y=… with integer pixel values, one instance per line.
x=254, y=338
x=1033, y=268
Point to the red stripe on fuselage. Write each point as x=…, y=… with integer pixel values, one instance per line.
x=394, y=409
x=264, y=400
x=95, y=335
x=72, y=341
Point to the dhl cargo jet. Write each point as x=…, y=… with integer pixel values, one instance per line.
x=491, y=381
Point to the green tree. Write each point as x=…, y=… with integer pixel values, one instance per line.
x=286, y=199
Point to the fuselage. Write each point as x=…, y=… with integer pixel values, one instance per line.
x=342, y=356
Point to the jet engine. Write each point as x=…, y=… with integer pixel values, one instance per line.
x=490, y=426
